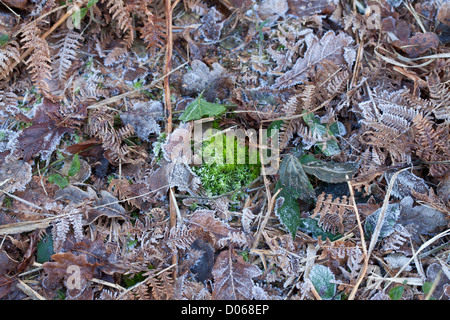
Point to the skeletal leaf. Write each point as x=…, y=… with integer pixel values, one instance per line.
x=233, y=277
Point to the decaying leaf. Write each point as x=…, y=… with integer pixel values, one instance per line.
x=14, y=175
x=331, y=172
x=233, y=277
x=390, y=219
x=294, y=178
x=49, y=126
x=329, y=47
x=406, y=183
x=425, y=220
x=143, y=117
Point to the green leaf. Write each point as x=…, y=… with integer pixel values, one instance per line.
x=74, y=166
x=294, y=178
x=396, y=293
x=331, y=172
x=311, y=226
x=59, y=180
x=45, y=249
x=307, y=158
x=4, y=39
x=91, y=3
x=322, y=279
x=77, y=16
x=426, y=287
x=338, y=129
x=200, y=108
x=289, y=211
x=274, y=125
x=330, y=147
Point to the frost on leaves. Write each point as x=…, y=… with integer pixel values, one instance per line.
x=233, y=277
x=330, y=47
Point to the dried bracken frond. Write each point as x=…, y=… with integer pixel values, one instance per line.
x=335, y=214
x=39, y=62
x=387, y=124
x=121, y=12
x=9, y=54
x=65, y=54
x=102, y=126
x=432, y=144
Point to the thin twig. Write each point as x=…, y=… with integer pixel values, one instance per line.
x=363, y=242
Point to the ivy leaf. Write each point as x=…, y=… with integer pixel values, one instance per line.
x=331, y=172
x=287, y=210
x=45, y=249
x=74, y=166
x=91, y=3
x=200, y=108
x=294, y=178
x=330, y=146
x=59, y=180
x=396, y=293
x=322, y=278
x=4, y=39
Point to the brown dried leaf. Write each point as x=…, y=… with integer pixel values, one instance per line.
x=49, y=125
x=214, y=228
x=233, y=277
x=63, y=267
x=330, y=47
x=5, y=285
x=421, y=43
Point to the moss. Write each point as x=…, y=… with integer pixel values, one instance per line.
x=218, y=176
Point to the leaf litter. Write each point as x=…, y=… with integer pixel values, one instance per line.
x=99, y=171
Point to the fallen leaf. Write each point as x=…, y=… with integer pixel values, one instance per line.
x=420, y=43
x=329, y=47
x=294, y=179
x=233, y=277
x=48, y=127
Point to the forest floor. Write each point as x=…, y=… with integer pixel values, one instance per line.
x=224, y=149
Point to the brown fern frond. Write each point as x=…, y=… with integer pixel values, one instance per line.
x=121, y=12
x=432, y=144
x=152, y=32
x=9, y=53
x=65, y=53
x=440, y=95
x=334, y=213
x=116, y=151
x=39, y=62
x=117, y=55
x=387, y=122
